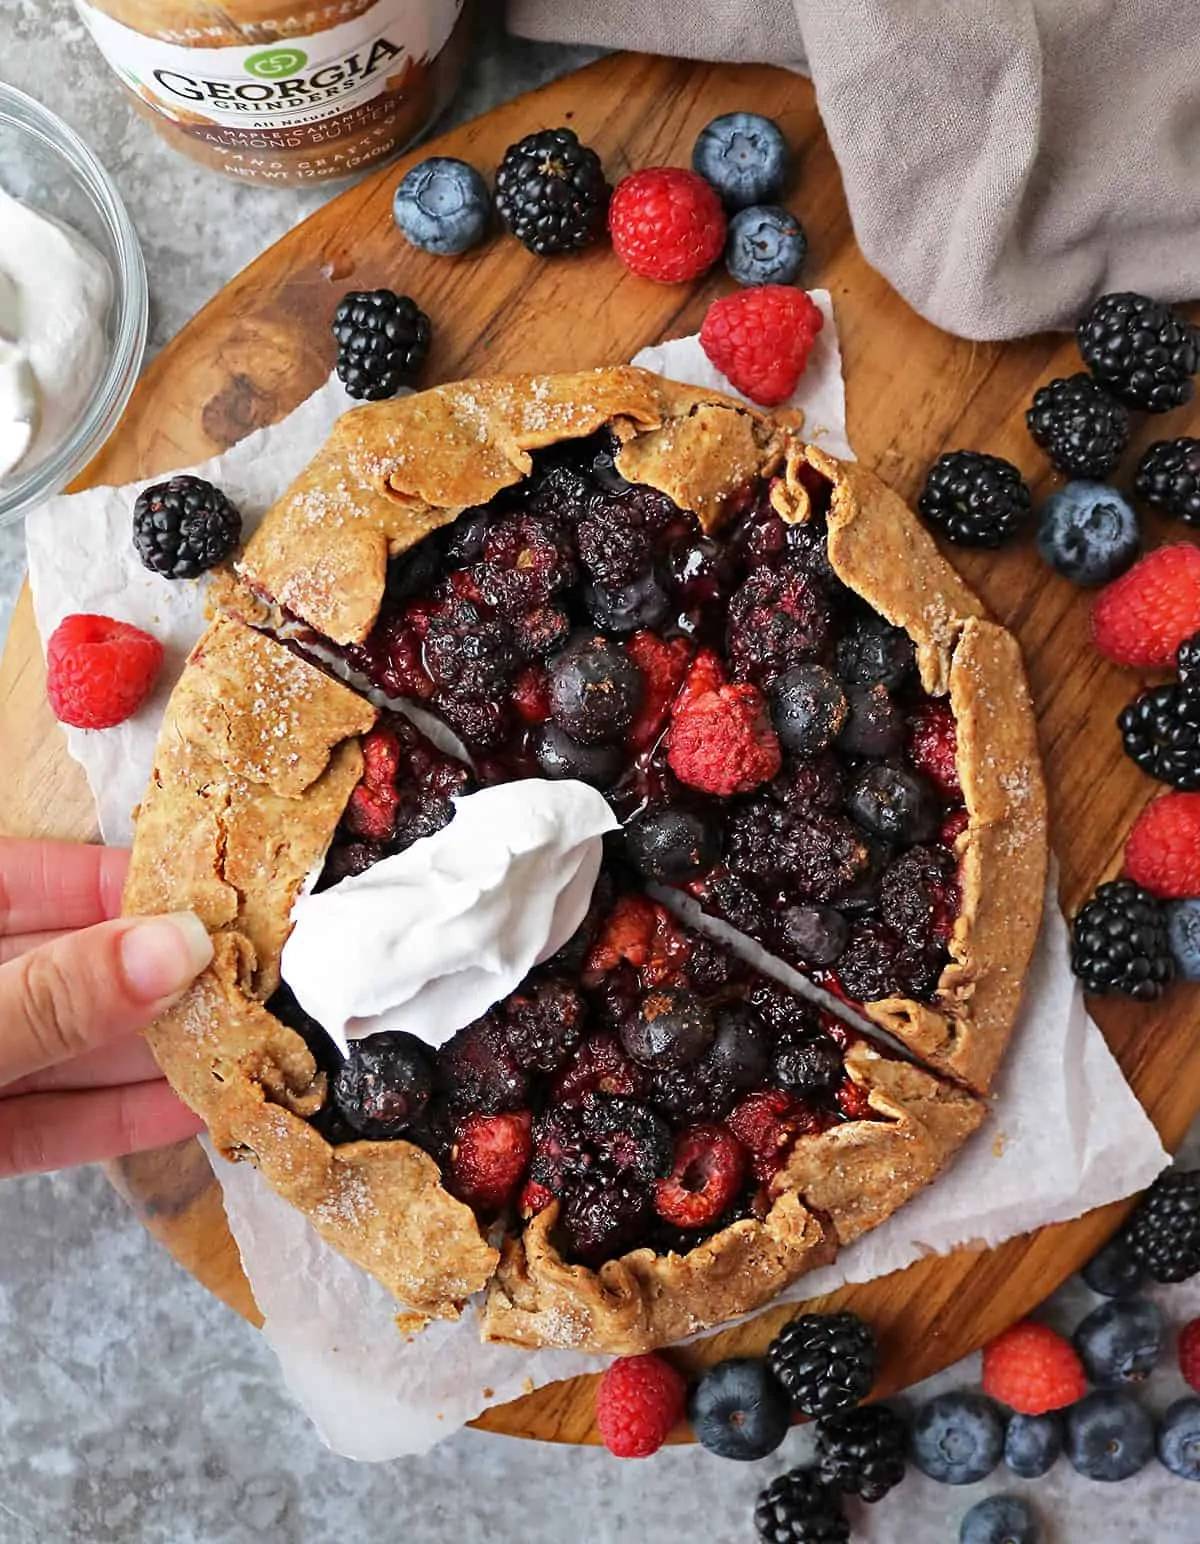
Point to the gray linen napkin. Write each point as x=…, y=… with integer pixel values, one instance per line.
x=1005, y=161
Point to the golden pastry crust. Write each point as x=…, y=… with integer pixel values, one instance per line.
x=259, y=753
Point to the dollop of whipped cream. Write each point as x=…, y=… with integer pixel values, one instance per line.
x=428, y=939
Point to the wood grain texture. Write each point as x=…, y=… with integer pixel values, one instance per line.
x=263, y=344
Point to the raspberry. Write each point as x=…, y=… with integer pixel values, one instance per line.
x=953, y=827
x=99, y=672
x=666, y=224
x=933, y=747
x=1032, y=1369
x=663, y=666
x=1142, y=617
x=488, y=1159
x=534, y=1198
x=371, y=812
x=766, y=1123
x=639, y=1400
x=1163, y=850
x=531, y=695
x=760, y=339
x=599, y=1066
x=853, y=1101
x=705, y=1177
x=720, y=739
x=1189, y=1353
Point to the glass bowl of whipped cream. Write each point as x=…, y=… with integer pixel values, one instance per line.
x=73, y=304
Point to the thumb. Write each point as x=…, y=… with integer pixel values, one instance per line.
x=93, y=986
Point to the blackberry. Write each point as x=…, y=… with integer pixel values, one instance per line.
x=524, y=563
x=825, y=1362
x=1168, y=476
x=614, y=548
x=384, y=1084
x=481, y=724
x=1164, y=1231
x=863, y=1452
x=975, y=499
x=602, y=1217
x=383, y=340
x=1140, y=350
x=183, y=527
x=478, y=1071
x=876, y=963
x=541, y=630
x=467, y=654
x=1120, y=943
x=616, y=1135
x=1079, y=426
x=875, y=651
x=807, y=1065
x=551, y=192
x=544, y=1024
x=801, y=1508
x=1161, y=731
x=778, y=617
x=917, y=895
x=817, y=857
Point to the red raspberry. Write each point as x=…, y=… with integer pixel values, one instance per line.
x=1163, y=849
x=760, y=339
x=933, y=747
x=853, y=1100
x=666, y=224
x=766, y=1123
x=639, y=1400
x=1033, y=1369
x=953, y=827
x=531, y=695
x=489, y=1158
x=599, y=1066
x=371, y=811
x=381, y=758
x=663, y=666
x=720, y=739
x=99, y=672
x=535, y=1198
x=1142, y=617
x=709, y=1166
x=1189, y=1353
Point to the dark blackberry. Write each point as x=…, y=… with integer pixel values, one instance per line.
x=551, y=192
x=809, y=543
x=1168, y=476
x=918, y=896
x=525, y=562
x=1120, y=943
x=810, y=783
x=733, y=899
x=617, y=1135
x=875, y=651
x=537, y=633
x=478, y=1071
x=707, y=966
x=801, y=1508
x=876, y=963
x=184, y=526
x=384, y=1084
x=603, y=1216
x=863, y=1452
x=1079, y=426
x=778, y=617
x=345, y=859
x=599, y=1066
x=612, y=546
x=419, y=816
x=482, y=724
x=689, y=1096
x=383, y=340
x=670, y=1027
x=807, y=1065
x=825, y=1362
x=817, y=857
x=468, y=654
x=785, y=1015
x=595, y=689
x=1161, y=731
x=975, y=499
x=544, y=1023
x=671, y=844
x=1140, y=350
x=1164, y=1232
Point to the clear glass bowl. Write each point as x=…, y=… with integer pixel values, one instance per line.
x=47, y=165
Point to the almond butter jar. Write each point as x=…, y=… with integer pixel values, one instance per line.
x=285, y=94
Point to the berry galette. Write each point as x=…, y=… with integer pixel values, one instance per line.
x=824, y=761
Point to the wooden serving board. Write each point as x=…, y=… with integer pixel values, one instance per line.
x=263, y=344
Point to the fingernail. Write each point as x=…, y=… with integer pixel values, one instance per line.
x=161, y=956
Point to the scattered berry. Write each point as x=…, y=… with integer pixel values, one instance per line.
x=1032, y=1369
x=442, y=205
x=1168, y=476
x=671, y=845
x=1119, y=943
x=1087, y=533
x=760, y=339
x=957, y=1438
x=99, y=672
x=933, y=747
x=1140, y=350
x=975, y=499
x=1079, y=426
x=1120, y=1342
x=825, y=1362
x=737, y=1410
x=478, y=1070
x=184, y=526
x=383, y=340
x=808, y=708
x=1032, y=1444
x=1183, y=929
x=744, y=156
x=1179, y=1439
x=705, y=1179
x=488, y=1159
x=551, y=192
x=1164, y=1231
x=765, y=245
x=1162, y=852
x=1113, y=1272
x=544, y=1022
x=639, y=1400
x=1143, y=617
x=800, y=1508
x=999, y=1520
x=1109, y=1436
x=1161, y=732
x=862, y=1452
x=1189, y=1353
x=384, y=1084
x=720, y=739
x=778, y=617
x=666, y=224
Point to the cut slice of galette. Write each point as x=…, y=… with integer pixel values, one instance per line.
x=810, y=731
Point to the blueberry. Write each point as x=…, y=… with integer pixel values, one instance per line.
x=465, y=538
x=737, y=1410
x=765, y=245
x=671, y=844
x=875, y=651
x=999, y=1520
x=814, y=935
x=1120, y=1341
x=873, y=725
x=1088, y=533
x=1109, y=1436
x=808, y=708
x=595, y=690
x=808, y=1067
x=1113, y=1272
x=1183, y=927
x=897, y=805
x=384, y=1084
x=740, y=1053
x=698, y=568
x=627, y=608
x=1032, y=1444
x=670, y=1028
x=744, y=156
x=443, y=206
x=558, y=755
x=1179, y=1438
x=958, y=1438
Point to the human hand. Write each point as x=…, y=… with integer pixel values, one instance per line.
x=77, y=983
